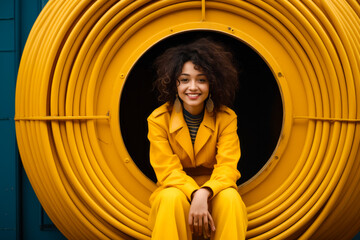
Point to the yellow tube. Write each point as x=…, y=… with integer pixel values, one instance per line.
x=73, y=69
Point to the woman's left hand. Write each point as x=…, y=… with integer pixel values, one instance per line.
x=200, y=219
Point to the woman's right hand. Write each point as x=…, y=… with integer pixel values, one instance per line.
x=200, y=219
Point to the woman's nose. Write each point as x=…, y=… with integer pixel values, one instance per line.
x=192, y=85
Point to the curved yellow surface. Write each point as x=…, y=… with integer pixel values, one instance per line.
x=72, y=72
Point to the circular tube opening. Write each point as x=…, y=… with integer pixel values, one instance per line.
x=258, y=104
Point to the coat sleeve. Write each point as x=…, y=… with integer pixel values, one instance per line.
x=225, y=173
x=166, y=164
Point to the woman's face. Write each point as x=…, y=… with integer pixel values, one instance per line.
x=193, y=88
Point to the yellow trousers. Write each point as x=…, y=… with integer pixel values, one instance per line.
x=168, y=217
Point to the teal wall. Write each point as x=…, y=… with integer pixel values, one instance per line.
x=8, y=163
x=21, y=215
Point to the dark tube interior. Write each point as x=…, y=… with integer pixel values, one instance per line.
x=258, y=104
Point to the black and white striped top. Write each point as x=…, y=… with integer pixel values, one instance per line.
x=193, y=123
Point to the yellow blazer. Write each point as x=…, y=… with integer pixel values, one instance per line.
x=171, y=150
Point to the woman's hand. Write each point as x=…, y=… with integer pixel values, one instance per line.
x=200, y=219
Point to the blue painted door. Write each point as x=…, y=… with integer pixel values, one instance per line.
x=21, y=215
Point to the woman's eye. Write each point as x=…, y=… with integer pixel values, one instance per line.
x=202, y=80
x=184, y=80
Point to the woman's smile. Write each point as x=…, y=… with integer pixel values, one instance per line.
x=193, y=96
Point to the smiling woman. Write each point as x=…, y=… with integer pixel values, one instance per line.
x=195, y=172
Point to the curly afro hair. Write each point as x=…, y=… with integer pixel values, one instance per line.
x=209, y=57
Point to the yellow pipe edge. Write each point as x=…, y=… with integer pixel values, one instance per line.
x=100, y=61
x=70, y=220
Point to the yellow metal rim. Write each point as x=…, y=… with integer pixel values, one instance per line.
x=71, y=77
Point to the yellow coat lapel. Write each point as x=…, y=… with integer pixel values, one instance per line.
x=205, y=131
x=182, y=135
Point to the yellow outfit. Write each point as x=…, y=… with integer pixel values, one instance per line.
x=171, y=152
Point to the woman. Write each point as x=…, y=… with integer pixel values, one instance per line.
x=194, y=147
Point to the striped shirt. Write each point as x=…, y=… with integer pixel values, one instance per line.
x=193, y=123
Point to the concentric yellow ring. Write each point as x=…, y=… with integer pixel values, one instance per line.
x=71, y=77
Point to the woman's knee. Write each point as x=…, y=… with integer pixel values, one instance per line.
x=227, y=206
x=172, y=196
x=228, y=196
x=232, y=200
